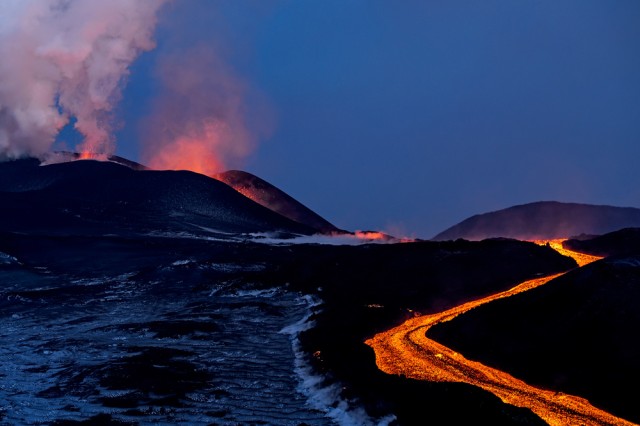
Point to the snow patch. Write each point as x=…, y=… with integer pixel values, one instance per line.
x=233, y=267
x=6, y=259
x=321, y=396
x=257, y=293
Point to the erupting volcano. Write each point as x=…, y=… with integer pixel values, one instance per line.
x=203, y=208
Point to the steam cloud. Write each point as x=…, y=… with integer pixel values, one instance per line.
x=63, y=59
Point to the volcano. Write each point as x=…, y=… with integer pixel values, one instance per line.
x=123, y=197
x=544, y=220
x=267, y=195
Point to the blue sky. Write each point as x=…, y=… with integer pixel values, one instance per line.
x=409, y=116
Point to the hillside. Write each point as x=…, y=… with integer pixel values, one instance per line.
x=544, y=220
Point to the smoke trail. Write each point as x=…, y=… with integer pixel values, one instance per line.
x=198, y=122
x=62, y=59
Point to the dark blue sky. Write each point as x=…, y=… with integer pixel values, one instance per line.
x=409, y=116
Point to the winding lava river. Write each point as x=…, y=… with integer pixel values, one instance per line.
x=405, y=350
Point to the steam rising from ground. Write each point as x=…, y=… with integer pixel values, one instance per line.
x=63, y=59
x=334, y=239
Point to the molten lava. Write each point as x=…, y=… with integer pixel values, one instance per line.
x=90, y=155
x=581, y=258
x=406, y=350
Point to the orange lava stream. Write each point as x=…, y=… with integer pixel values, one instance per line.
x=581, y=258
x=406, y=350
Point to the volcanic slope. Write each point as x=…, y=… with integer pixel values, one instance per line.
x=544, y=220
x=273, y=198
x=576, y=334
x=622, y=242
x=97, y=197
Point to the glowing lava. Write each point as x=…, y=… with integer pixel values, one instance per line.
x=581, y=258
x=89, y=155
x=407, y=351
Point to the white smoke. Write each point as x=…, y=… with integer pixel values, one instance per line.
x=63, y=59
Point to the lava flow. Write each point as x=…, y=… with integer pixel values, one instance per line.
x=581, y=258
x=406, y=350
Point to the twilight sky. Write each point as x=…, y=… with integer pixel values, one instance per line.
x=409, y=116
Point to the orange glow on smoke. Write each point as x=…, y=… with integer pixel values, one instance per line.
x=380, y=236
x=188, y=153
x=198, y=119
x=90, y=155
x=371, y=235
x=86, y=155
x=406, y=350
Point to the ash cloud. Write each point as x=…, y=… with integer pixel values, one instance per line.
x=198, y=120
x=63, y=59
x=206, y=114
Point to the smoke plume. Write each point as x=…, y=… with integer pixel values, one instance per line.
x=63, y=59
x=198, y=120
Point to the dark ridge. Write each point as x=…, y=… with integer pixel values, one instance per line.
x=623, y=242
x=269, y=196
x=544, y=220
x=577, y=334
x=108, y=197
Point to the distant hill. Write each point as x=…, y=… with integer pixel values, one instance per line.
x=120, y=196
x=544, y=220
x=269, y=196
